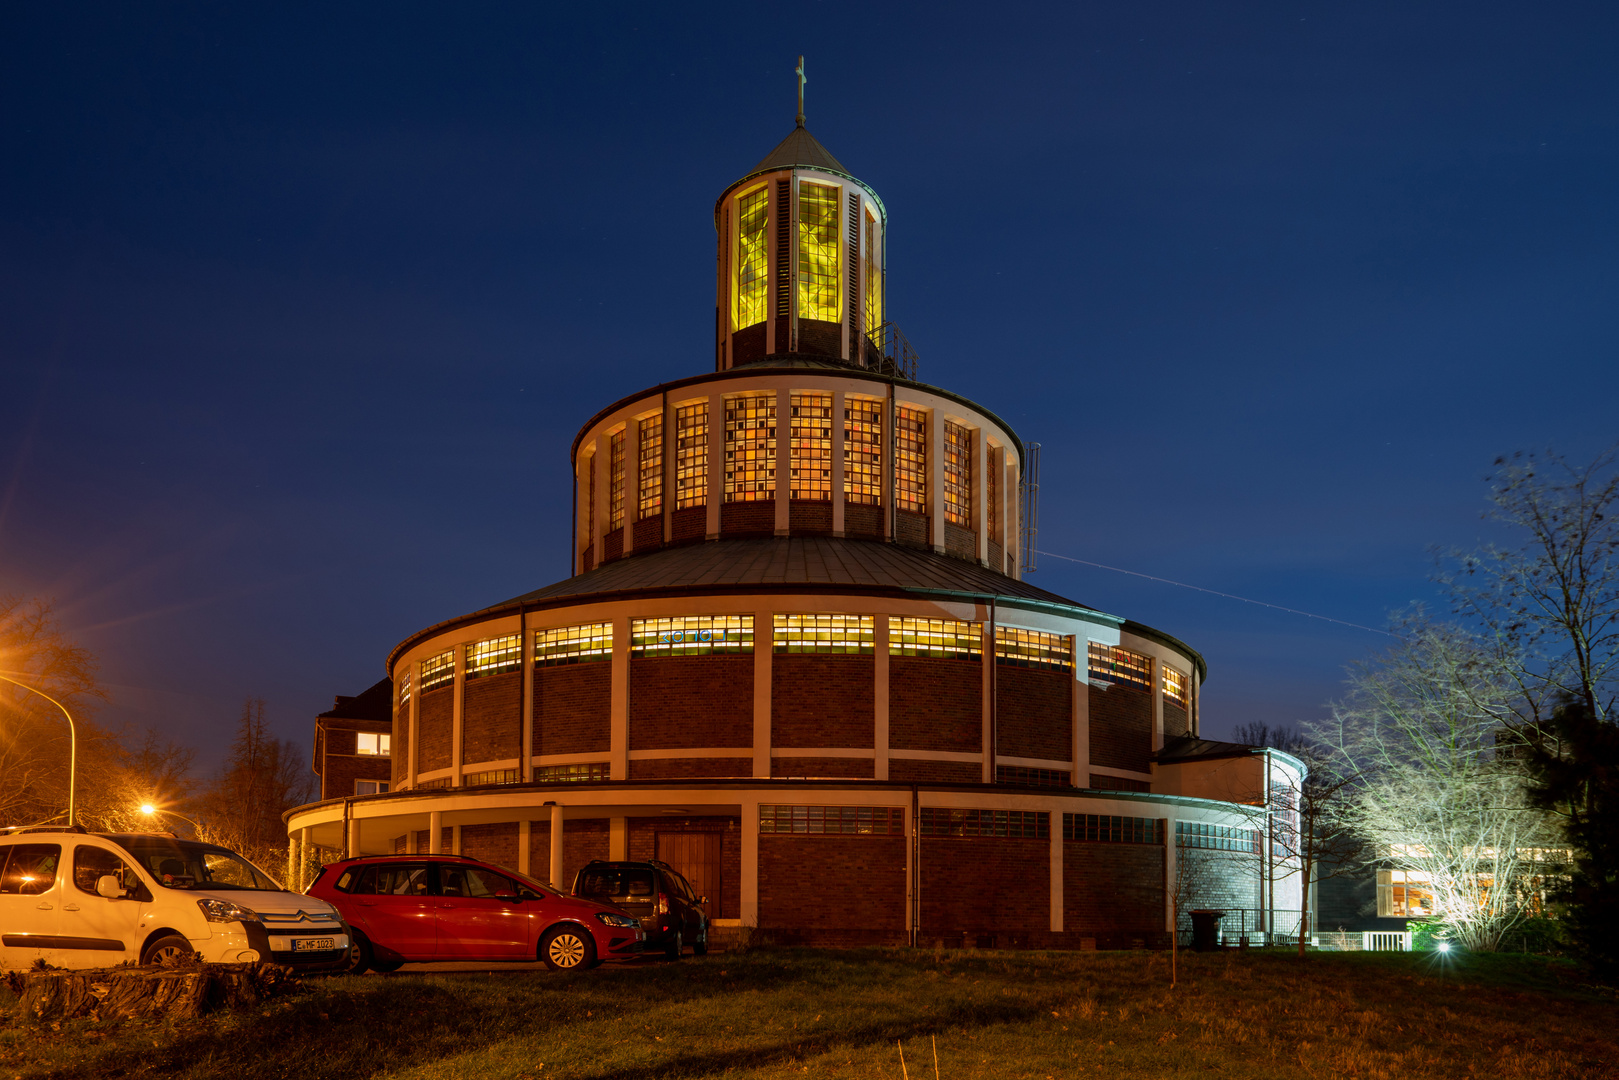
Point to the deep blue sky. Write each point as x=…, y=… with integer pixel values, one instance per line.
x=300, y=310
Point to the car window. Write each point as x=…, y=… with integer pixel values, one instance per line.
x=685, y=886
x=616, y=881
x=183, y=864
x=91, y=864
x=401, y=879
x=31, y=869
x=472, y=881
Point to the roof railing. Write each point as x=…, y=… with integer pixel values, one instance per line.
x=886, y=350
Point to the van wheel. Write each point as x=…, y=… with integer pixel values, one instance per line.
x=700, y=946
x=359, y=954
x=671, y=949
x=567, y=948
x=168, y=950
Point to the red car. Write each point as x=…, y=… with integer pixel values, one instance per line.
x=426, y=908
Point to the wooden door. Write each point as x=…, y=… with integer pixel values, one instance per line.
x=697, y=856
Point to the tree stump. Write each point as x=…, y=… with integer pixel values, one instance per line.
x=152, y=991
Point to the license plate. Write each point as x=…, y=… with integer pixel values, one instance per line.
x=313, y=944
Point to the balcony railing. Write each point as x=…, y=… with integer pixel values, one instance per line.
x=886, y=350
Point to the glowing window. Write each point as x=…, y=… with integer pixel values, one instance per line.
x=937, y=638
x=615, y=480
x=691, y=635
x=874, y=275
x=832, y=820
x=958, y=475
x=650, y=502
x=1402, y=894
x=810, y=449
x=1106, y=829
x=1031, y=648
x=495, y=656
x=752, y=219
x=438, y=671
x=863, y=451
x=846, y=634
x=818, y=249
x=576, y=772
x=911, y=459
x=1195, y=834
x=1174, y=687
x=1016, y=824
x=573, y=644
x=1110, y=663
x=750, y=447
x=493, y=776
x=691, y=455
x=373, y=743
x=404, y=687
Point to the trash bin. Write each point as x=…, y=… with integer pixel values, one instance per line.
x=1206, y=930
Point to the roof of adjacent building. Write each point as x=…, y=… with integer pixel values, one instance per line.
x=1192, y=748
x=373, y=703
x=799, y=148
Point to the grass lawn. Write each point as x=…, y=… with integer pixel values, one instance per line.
x=806, y=1012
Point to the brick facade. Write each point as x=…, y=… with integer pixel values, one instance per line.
x=613, y=545
x=573, y=708
x=649, y=533
x=822, y=701
x=1034, y=712
x=833, y=890
x=435, y=720
x=495, y=843
x=1175, y=720
x=688, y=768
x=960, y=542
x=401, y=744
x=913, y=771
x=862, y=519
x=860, y=768
x=749, y=518
x=693, y=701
x=913, y=529
x=1121, y=728
x=981, y=886
x=1112, y=889
x=492, y=717
x=583, y=839
x=810, y=517
x=935, y=704
x=688, y=524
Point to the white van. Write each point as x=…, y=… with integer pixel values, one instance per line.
x=82, y=900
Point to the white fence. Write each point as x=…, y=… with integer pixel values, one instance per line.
x=1386, y=940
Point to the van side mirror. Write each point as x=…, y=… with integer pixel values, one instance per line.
x=107, y=885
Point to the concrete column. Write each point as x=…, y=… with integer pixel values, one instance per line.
x=455, y=840
x=618, y=838
x=435, y=833
x=784, y=458
x=556, y=847
x=978, y=517
x=838, y=464
x=1056, y=872
x=525, y=836
x=1157, y=704
x=716, y=459
x=763, y=640
x=353, y=847
x=458, y=656
x=935, y=436
x=750, y=863
x=294, y=864
x=618, y=740
x=880, y=695
x=410, y=842
x=306, y=844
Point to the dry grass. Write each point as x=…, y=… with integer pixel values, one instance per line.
x=773, y=1013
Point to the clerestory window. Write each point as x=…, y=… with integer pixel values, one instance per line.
x=818, y=250
x=752, y=258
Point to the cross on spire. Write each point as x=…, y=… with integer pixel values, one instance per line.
x=801, y=82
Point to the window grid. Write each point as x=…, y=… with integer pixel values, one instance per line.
x=573, y=644
x=937, y=638
x=809, y=473
x=615, y=490
x=691, y=635
x=750, y=447
x=818, y=250
x=863, y=451
x=1111, y=663
x=832, y=820
x=911, y=459
x=438, y=670
x=1018, y=824
x=752, y=278
x=958, y=475
x=404, y=687
x=573, y=773
x=650, y=489
x=373, y=744
x=835, y=634
x=1032, y=648
x=1020, y=774
x=493, y=776
x=874, y=289
x=691, y=455
x=1106, y=829
x=441, y=782
x=1195, y=834
x=1174, y=687
x=496, y=656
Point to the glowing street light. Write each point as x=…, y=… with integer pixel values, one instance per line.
x=73, y=749
x=151, y=810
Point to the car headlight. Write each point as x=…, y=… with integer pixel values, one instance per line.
x=617, y=920
x=225, y=911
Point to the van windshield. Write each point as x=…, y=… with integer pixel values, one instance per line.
x=186, y=864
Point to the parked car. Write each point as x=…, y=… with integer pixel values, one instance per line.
x=425, y=908
x=77, y=899
x=669, y=909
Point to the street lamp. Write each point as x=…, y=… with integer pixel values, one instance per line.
x=149, y=810
x=73, y=749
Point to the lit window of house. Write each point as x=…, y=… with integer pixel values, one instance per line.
x=819, y=247
x=691, y=635
x=438, y=671
x=372, y=743
x=1174, y=687
x=494, y=656
x=935, y=638
x=750, y=447
x=1032, y=648
x=832, y=820
x=752, y=219
x=650, y=501
x=810, y=449
x=911, y=459
x=691, y=455
x=863, y=451
x=1110, y=663
x=615, y=480
x=958, y=475
x=1403, y=894
x=834, y=634
x=370, y=787
x=573, y=644
x=1013, y=824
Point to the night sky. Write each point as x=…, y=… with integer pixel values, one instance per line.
x=300, y=310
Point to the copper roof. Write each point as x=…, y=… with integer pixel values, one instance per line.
x=799, y=148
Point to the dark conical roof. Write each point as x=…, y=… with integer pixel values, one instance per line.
x=800, y=148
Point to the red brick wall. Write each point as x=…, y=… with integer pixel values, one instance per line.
x=573, y=708
x=858, y=768
x=643, y=845
x=1175, y=720
x=435, y=723
x=960, y=542
x=997, y=557
x=808, y=517
x=691, y=701
x=588, y=557
x=613, y=545
x=496, y=843
x=907, y=771
x=682, y=768
x=985, y=885
x=912, y=528
x=689, y=524
x=1121, y=728
x=649, y=534
x=749, y=518
x=1034, y=712
x=822, y=700
x=492, y=717
x=832, y=890
x=339, y=771
x=583, y=839
x=935, y=704
x=1112, y=888
x=860, y=519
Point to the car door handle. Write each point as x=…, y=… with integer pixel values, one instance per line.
x=366, y=903
x=47, y=907
x=70, y=907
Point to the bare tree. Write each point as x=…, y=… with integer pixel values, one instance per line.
x=262, y=779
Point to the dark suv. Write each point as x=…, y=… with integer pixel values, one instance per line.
x=670, y=910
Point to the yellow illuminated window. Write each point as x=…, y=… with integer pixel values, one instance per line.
x=573, y=644
x=752, y=218
x=847, y=634
x=494, y=776
x=651, y=462
x=1174, y=687
x=404, y=687
x=750, y=447
x=615, y=480
x=494, y=656
x=577, y=772
x=1401, y=895
x=874, y=277
x=863, y=451
x=691, y=455
x=958, y=475
x=1110, y=663
x=832, y=820
x=810, y=460
x=818, y=248
x=691, y=635
x=373, y=744
x=1031, y=648
x=939, y=638
x=438, y=671
x=911, y=459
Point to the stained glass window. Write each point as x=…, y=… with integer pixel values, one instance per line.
x=863, y=451
x=691, y=455
x=752, y=219
x=1110, y=663
x=810, y=460
x=958, y=475
x=750, y=447
x=1031, y=648
x=936, y=638
x=849, y=634
x=1174, y=687
x=573, y=644
x=495, y=656
x=691, y=635
x=911, y=459
x=651, y=467
x=438, y=671
x=615, y=489
x=818, y=250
